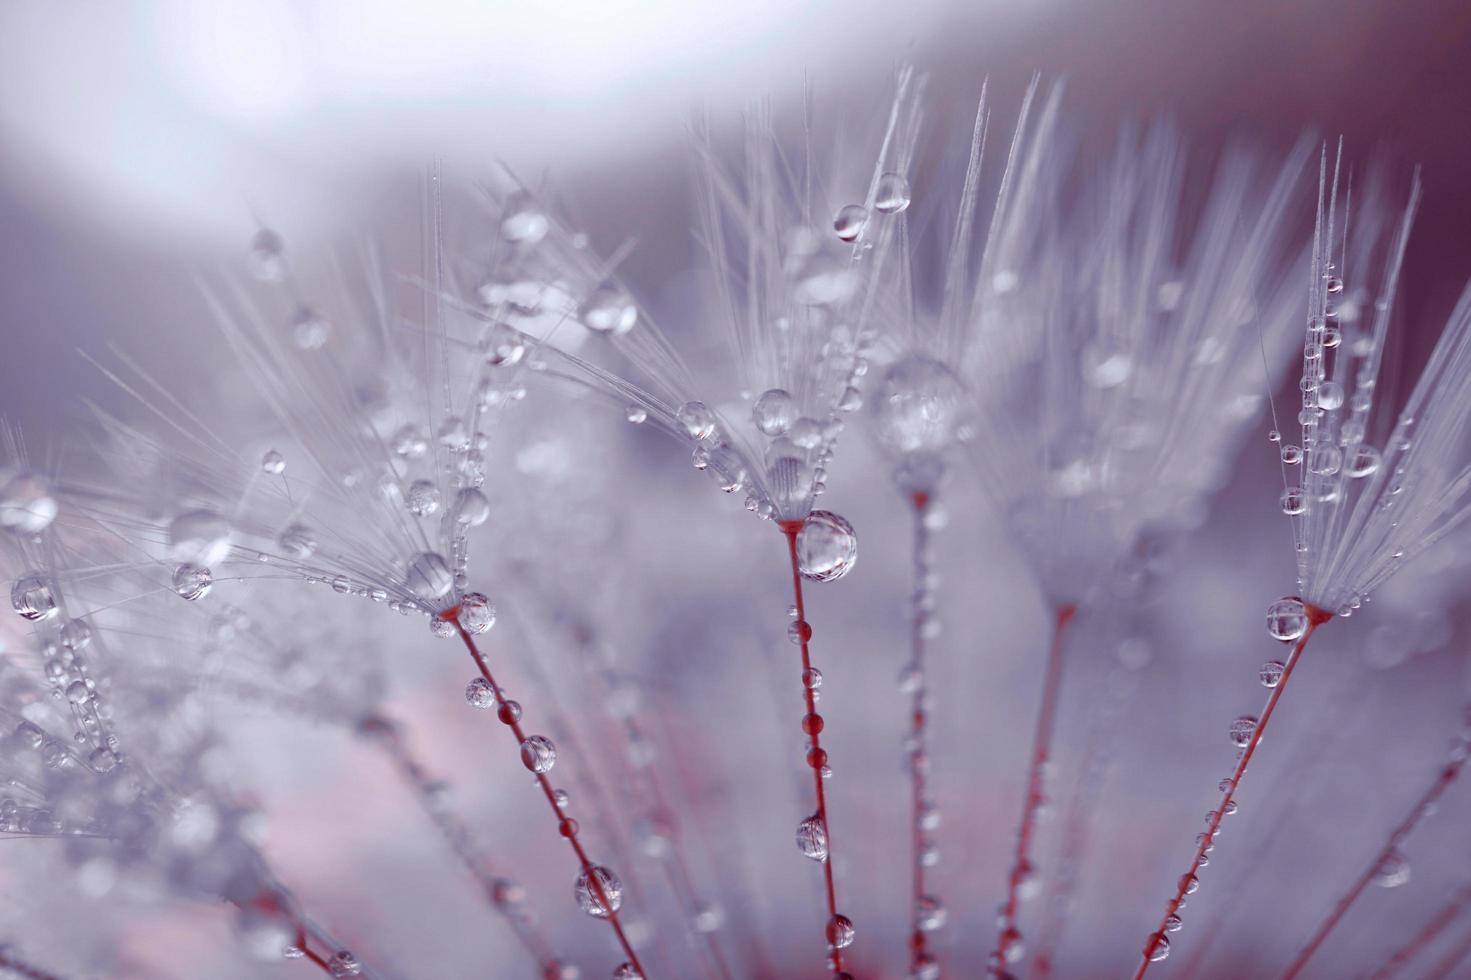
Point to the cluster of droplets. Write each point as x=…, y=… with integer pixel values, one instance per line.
x=919, y=411
x=64, y=658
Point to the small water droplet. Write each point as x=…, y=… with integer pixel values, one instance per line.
x=1241, y=730
x=1287, y=619
x=1393, y=870
x=774, y=412
x=827, y=547
x=33, y=598
x=479, y=693
x=477, y=612
x=192, y=581
x=1271, y=673
x=840, y=932
x=892, y=195
x=344, y=964
x=273, y=463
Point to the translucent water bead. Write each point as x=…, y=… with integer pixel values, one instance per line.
x=840, y=932
x=599, y=906
x=850, y=222
x=33, y=598
x=1158, y=947
x=538, y=753
x=697, y=420
x=422, y=498
x=192, y=581
x=893, y=194
x=477, y=613
x=774, y=412
x=827, y=547
x=344, y=964
x=627, y=971
x=273, y=463
x=26, y=504
x=812, y=838
x=918, y=407
x=429, y=576
x=608, y=309
x=1241, y=731
x=1287, y=619
x=1393, y=870
x=1271, y=673
x=479, y=693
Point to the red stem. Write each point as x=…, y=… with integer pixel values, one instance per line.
x=1316, y=617
x=791, y=529
x=1425, y=936
x=1041, y=750
x=918, y=940
x=1443, y=780
x=563, y=821
x=310, y=954
x=1452, y=959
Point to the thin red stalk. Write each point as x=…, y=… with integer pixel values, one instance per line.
x=1009, y=936
x=311, y=955
x=421, y=783
x=791, y=529
x=564, y=823
x=1442, y=782
x=1425, y=936
x=1452, y=959
x=1316, y=617
x=918, y=754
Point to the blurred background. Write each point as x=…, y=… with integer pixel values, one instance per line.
x=143, y=146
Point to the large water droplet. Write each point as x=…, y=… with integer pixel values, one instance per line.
x=599, y=906
x=850, y=221
x=192, y=581
x=812, y=838
x=697, y=420
x=1241, y=731
x=477, y=612
x=608, y=309
x=1287, y=619
x=422, y=498
x=429, y=576
x=26, y=504
x=827, y=547
x=892, y=195
x=479, y=693
x=774, y=412
x=840, y=932
x=33, y=597
x=538, y=753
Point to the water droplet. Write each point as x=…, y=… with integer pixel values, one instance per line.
x=344, y=964
x=509, y=712
x=636, y=414
x=850, y=221
x=1393, y=870
x=1157, y=947
x=929, y=913
x=697, y=420
x=827, y=548
x=477, y=612
x=266, y=260
x=192, y=581
x=503, y=345
x=102, y=759
x=297, y=541
x=892, y=195
x=799, y=632
x=708, y=918
x=1274, y=436
x=600, y=899
x=1271, y=673
x=410, y=442
x=273, y=463
x=26, y=504
x=429, y=576
x=76, y=634
x=918, y=407
x=199, y=537
x=524, y=223
x=1330, y=395
x=33, y=597
x=1287, y=619
x=538, y=753
x=479, y=693
x=1294, y=501
x=1291, y=455
x=627, y=971
x=812, y=838
x=1363, y=462
x=812, y=678
x=471, y=507
x=840, y=932
x=309, y=329
x=608, y=309
x=774, y=412
x=1241, y=731
x=1173, y=924
x=422, y=498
